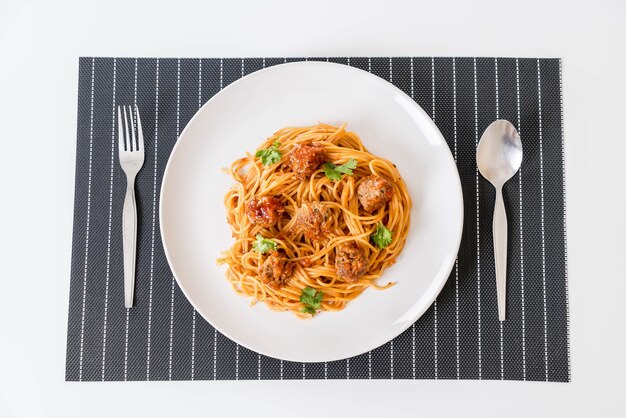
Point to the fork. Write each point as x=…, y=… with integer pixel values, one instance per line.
x=131, y=160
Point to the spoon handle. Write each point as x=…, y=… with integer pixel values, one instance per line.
x=500, y=237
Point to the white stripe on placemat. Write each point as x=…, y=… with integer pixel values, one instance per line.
x=435, y=325
x=193, y=344
x=369, y=364
x=543, y=234
x=199, y=83
x=221, y=73
x=169, y=373
x=412, y=326
x=126, y=345
x=569, y=368
x=214, y=354
x=501, y=322
x=154, y=203
x=521, y=227
x=412, y=78
x=82, y=316
x=108, y=262
x=456, y=262
x=480, y=354
x=135, y=85
x=495, y=63
x=347, y=369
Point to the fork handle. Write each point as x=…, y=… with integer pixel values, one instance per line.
x=500, y=238
x=129, y=234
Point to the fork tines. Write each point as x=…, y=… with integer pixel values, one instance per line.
x=128, y=142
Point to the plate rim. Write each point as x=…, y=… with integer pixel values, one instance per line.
x=449, y=157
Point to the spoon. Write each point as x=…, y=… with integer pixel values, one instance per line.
x=499, y=157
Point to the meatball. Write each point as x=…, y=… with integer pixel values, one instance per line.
x=350, y=262
x=265, y=211
x=313, y=219
x=276, y=270
x=304, y=159
x=374, y=192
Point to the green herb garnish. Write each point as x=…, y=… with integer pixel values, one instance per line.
x=382, y=237
x=263, y=245
x=311, y=300
x=335, y=172
x=270, y=155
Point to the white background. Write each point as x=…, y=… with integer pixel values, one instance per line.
x=40, y=42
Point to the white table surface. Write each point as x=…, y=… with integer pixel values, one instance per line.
x=40, y=42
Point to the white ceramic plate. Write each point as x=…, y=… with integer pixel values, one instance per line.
x=193, y=219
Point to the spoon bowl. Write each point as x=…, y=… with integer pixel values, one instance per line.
x=499, y=154
x=499, y=157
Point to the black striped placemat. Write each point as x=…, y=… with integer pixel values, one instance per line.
x=460, y=337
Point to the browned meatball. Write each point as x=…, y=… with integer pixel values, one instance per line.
x=276, y=270
x=313, y=219
x=350, y=262
x=374, y=192
x=304, y=159
x=265, y=211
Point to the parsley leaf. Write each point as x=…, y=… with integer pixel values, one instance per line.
x=263, y=245
x=334, y=172
x=311, y=300
x=270, y=155
x=331, y=173
x=347, y=167
x=309, y=310
x=382, y=237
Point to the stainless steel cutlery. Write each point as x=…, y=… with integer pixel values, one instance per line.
x=499, y=157
x=131, y=151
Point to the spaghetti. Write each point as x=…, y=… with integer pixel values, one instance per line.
x=313, y=263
